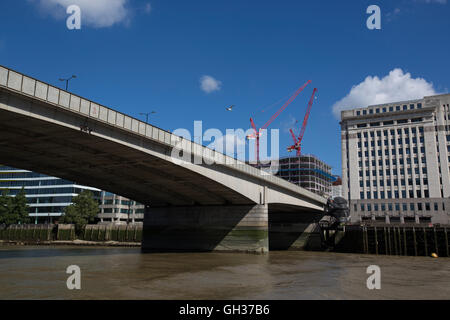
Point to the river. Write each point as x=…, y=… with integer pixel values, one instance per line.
x=125, y=273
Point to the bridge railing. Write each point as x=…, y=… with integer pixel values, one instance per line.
x=52, y=95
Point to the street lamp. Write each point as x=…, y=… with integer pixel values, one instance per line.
x=146, y=114
x=67, y=80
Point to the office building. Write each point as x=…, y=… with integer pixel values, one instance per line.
x=46, y=196
x=336, y=188
x=395, y=161
x=115, y=209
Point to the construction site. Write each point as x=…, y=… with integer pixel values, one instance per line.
x=306, y=171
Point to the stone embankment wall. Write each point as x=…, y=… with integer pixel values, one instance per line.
x=65, y=232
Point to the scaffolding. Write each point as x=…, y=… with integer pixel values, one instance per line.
x=306, y=171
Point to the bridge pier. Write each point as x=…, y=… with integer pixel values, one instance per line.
x=294, y=231
x=206, y=228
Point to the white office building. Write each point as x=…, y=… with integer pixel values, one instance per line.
x=395, y=160
x=115, y=209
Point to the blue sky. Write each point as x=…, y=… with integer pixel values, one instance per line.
x=138, y=56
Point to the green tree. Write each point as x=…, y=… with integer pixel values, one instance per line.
x=83, y=211
x=5, y=205
x=20, y=209
x=14, y=210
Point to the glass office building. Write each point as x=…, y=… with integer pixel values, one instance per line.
x=47, y=196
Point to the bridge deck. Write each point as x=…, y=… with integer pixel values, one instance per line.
x=131, y=171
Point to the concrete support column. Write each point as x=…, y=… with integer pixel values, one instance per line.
x=416, y=217
x=206, y=228
x=294, y=231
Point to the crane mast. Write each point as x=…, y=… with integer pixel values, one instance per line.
x=257, y=133
x=298, y=141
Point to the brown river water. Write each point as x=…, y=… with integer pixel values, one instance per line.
x=126, y=273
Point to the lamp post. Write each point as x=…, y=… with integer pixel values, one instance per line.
x=67, y=80
x=146, y=114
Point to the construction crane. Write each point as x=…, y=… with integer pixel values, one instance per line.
x=298, y=141
x=257, y=134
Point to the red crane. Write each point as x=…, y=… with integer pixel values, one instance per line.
x=257, y=133
x=298, y=141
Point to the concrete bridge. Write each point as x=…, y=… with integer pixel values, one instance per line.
x=191, y=205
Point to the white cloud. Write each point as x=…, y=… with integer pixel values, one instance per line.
x=95, y=13
x=397, y=86
x=208, y=84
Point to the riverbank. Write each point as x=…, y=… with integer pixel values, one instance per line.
x=64, y=234
x=69, y=243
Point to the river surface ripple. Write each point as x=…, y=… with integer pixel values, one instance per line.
x=126, y=273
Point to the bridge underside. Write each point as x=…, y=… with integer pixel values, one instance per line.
x=185, y=210
x=56, y=150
